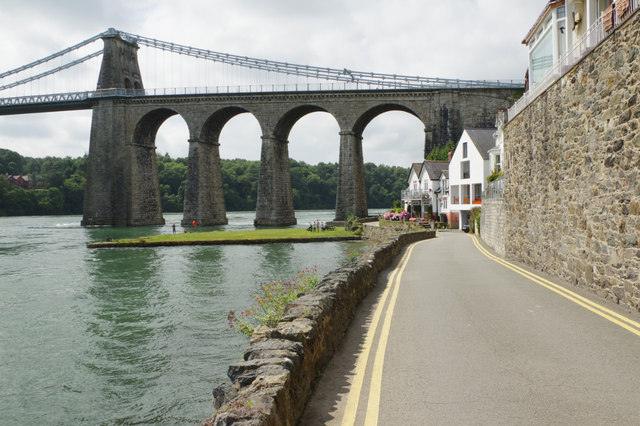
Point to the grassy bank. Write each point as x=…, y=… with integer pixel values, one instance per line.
x=253, y=236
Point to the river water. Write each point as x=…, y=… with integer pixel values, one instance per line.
x=132, y=335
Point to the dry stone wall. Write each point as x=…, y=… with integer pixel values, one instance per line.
x=572, y=173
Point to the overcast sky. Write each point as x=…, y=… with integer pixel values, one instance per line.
x=466, y=39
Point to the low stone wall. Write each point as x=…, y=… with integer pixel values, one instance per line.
x=493, y=222
x=273, y=384
x=387, y=228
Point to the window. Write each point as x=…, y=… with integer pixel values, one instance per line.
x=562, y=30
x=477, y=193
x=466, y=194
x=465, y=172
x=541, y=57
x=561, y=12
x=455, y=194
x=464, y=150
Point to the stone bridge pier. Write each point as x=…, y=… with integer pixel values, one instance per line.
x=275, y=197
x=351, y=194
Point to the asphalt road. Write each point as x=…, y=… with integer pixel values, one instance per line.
x=452, y=337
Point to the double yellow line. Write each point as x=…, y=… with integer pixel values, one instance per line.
x=375, y=389
x=392, y=288
x=600, y=310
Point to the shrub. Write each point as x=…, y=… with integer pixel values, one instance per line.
x=493, y=176
x=272, y=301
x=402, y=215
x=474, y=222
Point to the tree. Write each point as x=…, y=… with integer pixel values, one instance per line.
x=313, y=186
x=73, y=191
x=441, y=153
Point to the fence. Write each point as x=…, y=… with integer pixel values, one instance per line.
x=494, y=190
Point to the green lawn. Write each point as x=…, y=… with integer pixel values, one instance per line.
x=272, y=234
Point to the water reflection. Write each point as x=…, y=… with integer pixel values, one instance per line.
x=276, y=259
x=129, y=326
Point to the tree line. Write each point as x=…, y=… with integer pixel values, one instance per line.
x=57, y=184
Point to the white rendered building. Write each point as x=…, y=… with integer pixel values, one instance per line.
x=468, y=171
x=423, y=185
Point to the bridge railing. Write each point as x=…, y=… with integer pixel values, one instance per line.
x=257, y=88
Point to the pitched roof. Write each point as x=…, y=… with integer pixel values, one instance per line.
x=434, y=168
x=415, y=167
x=483, y=140
x=550, y=5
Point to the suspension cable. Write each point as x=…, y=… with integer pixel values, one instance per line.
x=344, y=75
x=51, y=71
x=51, y=57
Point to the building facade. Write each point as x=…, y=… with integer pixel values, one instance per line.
x=468, y=171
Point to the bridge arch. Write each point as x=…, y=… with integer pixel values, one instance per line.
x=204, y=193
x=212, y=127
x=147, y=126
x=369, y=115
x=351, y=194
x=286, y=122
x=144, y=197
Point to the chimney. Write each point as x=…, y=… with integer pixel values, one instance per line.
x=450, y=154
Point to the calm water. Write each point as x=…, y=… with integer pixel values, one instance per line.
x=121, y=336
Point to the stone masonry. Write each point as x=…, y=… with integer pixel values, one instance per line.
x=572, y=172
x=493, y=224
x=122, y=187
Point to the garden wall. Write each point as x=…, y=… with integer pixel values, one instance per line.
x=273, y=384
x=572, y=180
x=388, y=228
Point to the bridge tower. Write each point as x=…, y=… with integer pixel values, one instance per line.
x=122, y=179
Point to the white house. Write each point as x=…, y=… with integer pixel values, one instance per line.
x=496, y=154
x=561, y=28
x=442, y=194
x=424, y=182
x=468, y=171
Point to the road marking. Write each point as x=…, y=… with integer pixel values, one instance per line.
x=620, y=320
x=353, y=398
x=375, y=389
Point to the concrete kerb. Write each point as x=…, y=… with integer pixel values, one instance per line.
x=273, y=384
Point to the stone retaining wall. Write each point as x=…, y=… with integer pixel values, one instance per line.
x=493, y=221
x=572, y=173
x=273, y=384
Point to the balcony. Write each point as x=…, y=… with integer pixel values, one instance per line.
x=414, y=194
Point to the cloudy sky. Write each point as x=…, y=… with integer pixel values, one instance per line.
x=466, y=39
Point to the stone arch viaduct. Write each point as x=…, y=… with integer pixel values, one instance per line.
x=122, y=183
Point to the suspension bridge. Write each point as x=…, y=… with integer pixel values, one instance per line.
x=208, y=88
